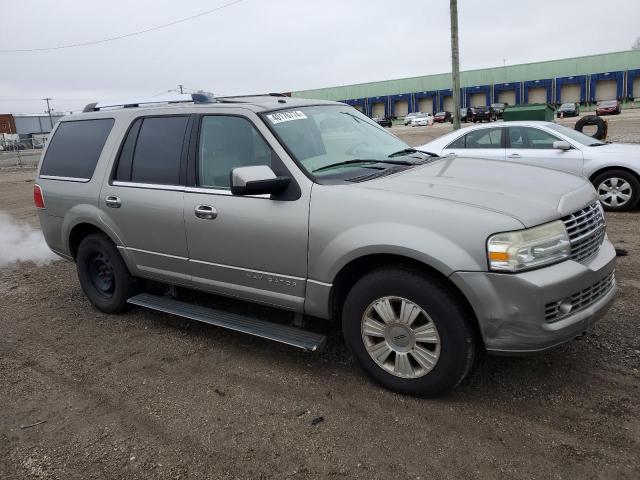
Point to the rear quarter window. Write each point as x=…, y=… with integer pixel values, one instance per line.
x=74, y=150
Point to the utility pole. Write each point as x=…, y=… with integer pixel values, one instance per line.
x=455, y=63
x=180, y=87
x=49, y=110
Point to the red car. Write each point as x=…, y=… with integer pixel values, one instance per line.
x=442, y=117
x=608, y=107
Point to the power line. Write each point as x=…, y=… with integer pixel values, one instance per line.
x=126, y=35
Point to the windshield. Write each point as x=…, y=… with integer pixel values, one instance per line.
x=608, y=103
x=320, y=136
x=566, y=106
x=441, y=113
x=575, y=135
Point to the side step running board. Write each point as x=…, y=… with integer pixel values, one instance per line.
x=295, y=337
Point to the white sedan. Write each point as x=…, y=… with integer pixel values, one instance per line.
x=422, y=120
x=613, y=168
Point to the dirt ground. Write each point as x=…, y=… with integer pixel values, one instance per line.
x=85, y=395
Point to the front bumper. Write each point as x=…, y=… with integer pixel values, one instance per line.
x=511, y=307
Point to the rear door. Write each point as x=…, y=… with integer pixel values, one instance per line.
x=143, y=201
x=478, y=143
x=534, y=146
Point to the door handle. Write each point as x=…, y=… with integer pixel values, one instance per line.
x=514, y=155
x=206, y=211
x=451, y=154
x=113, y=202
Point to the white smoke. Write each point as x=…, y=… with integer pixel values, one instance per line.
x=19, y=242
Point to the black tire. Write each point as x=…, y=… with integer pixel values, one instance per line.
x=601, y=125
x=631, y=179
x=453, y=323
x=103, y=275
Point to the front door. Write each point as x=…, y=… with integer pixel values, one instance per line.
x=251, y=247
x=534, y=146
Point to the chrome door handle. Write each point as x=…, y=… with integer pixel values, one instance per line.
x=514, y=155
x=451, y=154
x=113, y=202
x=206, y=211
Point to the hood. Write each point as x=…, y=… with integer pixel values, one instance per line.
x=616, y=148
x=531, y=195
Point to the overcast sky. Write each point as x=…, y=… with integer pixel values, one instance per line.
x=281, y=45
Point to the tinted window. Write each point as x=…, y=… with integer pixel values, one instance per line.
x=123, y=173
x=75, y=148
x=458, y=143
x=539, y=139
x=484, y=138
x=227, y=143
x=517, y=137
x=156, y=158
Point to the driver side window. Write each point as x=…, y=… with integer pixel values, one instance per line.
x=228, y=142
x=539, y=139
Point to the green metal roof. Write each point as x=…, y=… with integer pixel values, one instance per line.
x=605, y=62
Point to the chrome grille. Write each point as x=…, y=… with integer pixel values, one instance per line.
x=560, y=309
x=586, y=230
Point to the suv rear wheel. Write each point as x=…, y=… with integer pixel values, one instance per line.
x=103, y=275
x=408, y=332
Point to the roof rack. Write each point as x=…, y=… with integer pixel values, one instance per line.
x=168, y=99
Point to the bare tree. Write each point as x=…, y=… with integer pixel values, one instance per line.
x=455, y=63
x=636, y=45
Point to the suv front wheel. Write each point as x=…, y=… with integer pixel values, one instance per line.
x=103, y=275
x=408, y=331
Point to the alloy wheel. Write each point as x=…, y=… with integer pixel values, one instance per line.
x=400, y=337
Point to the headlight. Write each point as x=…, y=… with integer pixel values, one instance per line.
x=530, y=248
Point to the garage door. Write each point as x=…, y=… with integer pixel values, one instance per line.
x=508, y=96
x=448, y=104
x=401, y=108
x=636, y=88
x=477, y=100
x=538, y=95
x=425, y=105
x=606, y=90
x=570, y=94
x=378, y=109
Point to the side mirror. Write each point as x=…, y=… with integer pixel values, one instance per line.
x=561, y=145
x=256, y=180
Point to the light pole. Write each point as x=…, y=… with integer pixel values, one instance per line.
x=455, y=63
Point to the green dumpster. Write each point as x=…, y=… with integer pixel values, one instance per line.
x=532, y=111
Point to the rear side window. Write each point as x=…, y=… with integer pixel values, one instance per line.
x=74, y=150
x=152, y=150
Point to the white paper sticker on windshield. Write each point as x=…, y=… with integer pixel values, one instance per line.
x=280, y=117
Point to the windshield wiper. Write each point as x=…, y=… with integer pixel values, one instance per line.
x=596, y=144
x=408, y=151
x=365, y=161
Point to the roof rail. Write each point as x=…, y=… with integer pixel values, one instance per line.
x=168, y=99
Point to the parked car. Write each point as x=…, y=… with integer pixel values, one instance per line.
x=482, y=114
x=498, y=109
x=383, y=121
x=612, y=168
x=309, y=206
x=422, y=120
x=568, y=110
x=409, y=117
x=608, y=107
x=442, y=117
x=466, y=115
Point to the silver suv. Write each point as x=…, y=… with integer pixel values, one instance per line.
x=311, y=207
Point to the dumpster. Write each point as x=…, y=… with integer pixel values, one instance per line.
x=532, y=111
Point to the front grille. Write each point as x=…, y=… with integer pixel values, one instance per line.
x=586, y=230
x=560, y=309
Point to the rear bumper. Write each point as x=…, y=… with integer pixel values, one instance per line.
x=511, y=308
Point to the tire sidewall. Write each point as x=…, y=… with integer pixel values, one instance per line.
x=457, y=346
x=117, y=302
x=633, y=181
